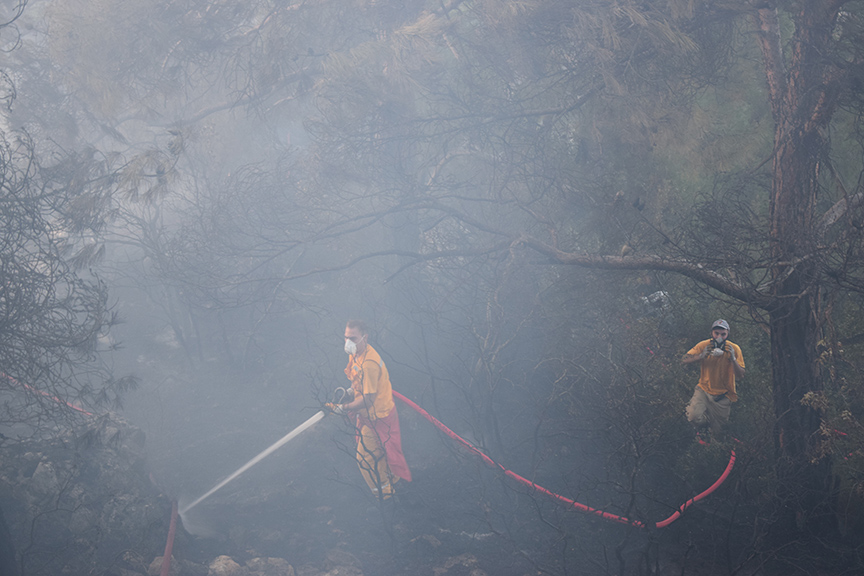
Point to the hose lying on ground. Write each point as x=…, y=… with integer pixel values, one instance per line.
x=558, y=497
x=166, y=559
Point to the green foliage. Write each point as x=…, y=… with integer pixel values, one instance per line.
x=266, y=159
x=52, y=315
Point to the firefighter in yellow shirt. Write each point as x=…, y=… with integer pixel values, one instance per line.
x=379, y=441
x=721, y=362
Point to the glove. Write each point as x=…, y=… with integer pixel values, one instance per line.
x=717, y=352
x=335, y=408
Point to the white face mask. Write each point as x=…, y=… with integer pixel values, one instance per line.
x=350, y=347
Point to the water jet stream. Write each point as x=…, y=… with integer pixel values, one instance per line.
x=284, y=440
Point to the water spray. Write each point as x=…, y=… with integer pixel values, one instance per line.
x=284, y=440
x=535, y=487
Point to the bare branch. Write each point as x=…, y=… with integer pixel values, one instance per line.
x=684, y=267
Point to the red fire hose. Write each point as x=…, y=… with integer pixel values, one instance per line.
x=45, y=394
x=558, y=497
x=166, y=558
x=169, y=545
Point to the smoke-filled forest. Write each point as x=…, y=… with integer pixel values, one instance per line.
x=534, y=211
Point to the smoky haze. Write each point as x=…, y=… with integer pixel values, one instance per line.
x=537, y=208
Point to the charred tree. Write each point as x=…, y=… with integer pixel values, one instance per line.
x=807, y=79
x=803, y=96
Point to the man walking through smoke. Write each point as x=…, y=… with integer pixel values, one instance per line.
x=721, y=362
x=379, y=442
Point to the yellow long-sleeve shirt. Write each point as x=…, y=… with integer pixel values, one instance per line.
x=368, y=375
x=717, y=375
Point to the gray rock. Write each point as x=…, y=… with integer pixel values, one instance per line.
x=344, y=571
x=339, y=558
x=225, y=566
x=269, y=567
x=44, y=479
x=82, y=502
x=155, y=567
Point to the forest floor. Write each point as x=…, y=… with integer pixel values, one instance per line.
x=310, y=507
x=424, y=530
x=308, y=504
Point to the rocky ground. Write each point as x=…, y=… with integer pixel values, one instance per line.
x=92, y=502
x=88, y=504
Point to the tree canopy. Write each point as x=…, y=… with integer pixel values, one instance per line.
x=536, y=191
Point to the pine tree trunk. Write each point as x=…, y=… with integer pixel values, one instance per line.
x=804, y=489
x=802, y=88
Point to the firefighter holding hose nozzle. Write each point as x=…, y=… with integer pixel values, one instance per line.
x=370, y=402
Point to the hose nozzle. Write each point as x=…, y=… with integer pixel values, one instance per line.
x=342, y=395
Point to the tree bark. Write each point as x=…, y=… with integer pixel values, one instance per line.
x=803, y=93
x=803, y=102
